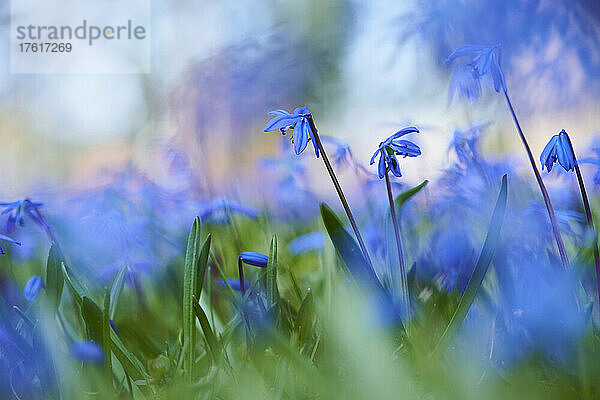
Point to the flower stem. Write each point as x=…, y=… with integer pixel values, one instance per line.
x=405, y=297
x=241, y=275
x=588, y=214
x=553, y=222
x=338, y=188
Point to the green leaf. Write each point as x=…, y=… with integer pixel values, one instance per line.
x=483, y=263
x=106, y=328
x=202, y=264
x=115, y=291
x=75, y=287
x=348, y=249
x=209, y=335
x=93, y=317
x=271, y=274
x=54, y=279
x=407, y=194
x=193, y=257
x=305, y=319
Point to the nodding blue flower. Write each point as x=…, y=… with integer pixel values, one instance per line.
x=307, y=242
x=87, y=351
x=7, y=239
x=390, y=148
x=17, y=210
x=253, y=258
x=298, y=122
x=558, y=149
x=233, y=283
x=32, y=288
x=219, y=211
x=482, y=59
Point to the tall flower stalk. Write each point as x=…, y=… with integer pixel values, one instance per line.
x=560, y=149
x=304, y=129
x=483, y=61
x=387, y=151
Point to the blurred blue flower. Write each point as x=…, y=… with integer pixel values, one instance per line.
x=482, y=59
x=298, y=122
x=7, y=239
x=558, y=149
x=32, y=288
x=17, y=210
x=233, y=283
x=342, y=154
x=307, y=242
x=390, y=147
x=594, y=161
x=87, y=351
x=219, y=211
x=254, y=258
x=465, y=84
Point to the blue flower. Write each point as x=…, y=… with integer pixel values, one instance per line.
x=32, y=288
x=253, y=258
x=233, y=283
x=87, y=351
x=17, y=210
x=298, y=122
x=390, y=148
x=7, y=239
x=558, y=149
x=342, y=154
x=483, y=59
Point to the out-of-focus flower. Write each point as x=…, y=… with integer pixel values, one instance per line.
x=233, y=283
x=17, y=210
x=7, y=239
x=87, y=351
x=32, y=288
x=466, y=143
x=254, y=258
x=482, y=59
x=390, y=148
x=307, y=242
x=298, y=122
x=342, y=154
x=558, y=149
x=594, y=161
x=219, y=211
x=464, y=84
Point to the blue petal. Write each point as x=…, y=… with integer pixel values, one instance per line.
x=394, y=165
x=301, y=110
x=467, y=50
x=254, y=258
x=546, y=155
x=9, y=239
x=312, y=137
x=283, y=121
x=406, y=148
x=300, y=136
x=32, y=288
x=402, y=132
x=375, y=155
x=381, y=167
x=278, y=113
x=497, y=75
x=565, y=155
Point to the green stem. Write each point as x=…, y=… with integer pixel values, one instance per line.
x=338, y=189
x=406, y=299
x=551, y=214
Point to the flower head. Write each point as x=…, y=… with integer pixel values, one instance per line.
x=253, y=258
x=298, y=122
x=390, y=148
x=17, y=210
x=482, y=59
x=7, y=239
x=220, y=210
x=558, y=149
x=32, y=288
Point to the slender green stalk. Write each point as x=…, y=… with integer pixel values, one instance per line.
x=538, y=177
x=338, y=189
x=405, y=297
x=241, y=274
x=588, y=214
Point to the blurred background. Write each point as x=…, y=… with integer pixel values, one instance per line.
x=192, y=129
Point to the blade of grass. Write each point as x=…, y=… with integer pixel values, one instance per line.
x=271, y=274
x=407, y=194
x=106, y=328
x=483, y=263
x=54, y=279
x=209, y=335
x=115, y=291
